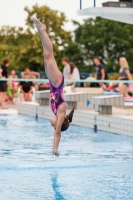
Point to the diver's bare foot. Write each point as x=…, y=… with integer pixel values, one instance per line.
x=39, y=25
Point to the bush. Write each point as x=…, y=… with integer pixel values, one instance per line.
x=114, y=77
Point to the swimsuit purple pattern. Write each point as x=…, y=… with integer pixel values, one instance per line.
x=56, y=96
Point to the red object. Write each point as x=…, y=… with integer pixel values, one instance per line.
x=110, y=87
x=45, y=85
x=130, y=88
x=126, y=98
x=8, y=99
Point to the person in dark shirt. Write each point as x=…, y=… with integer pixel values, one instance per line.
x=3, y=84
x=32, y=75
x=100, y=71
x=26, y=89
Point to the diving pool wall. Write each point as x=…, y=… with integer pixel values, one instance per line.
x=118, y=124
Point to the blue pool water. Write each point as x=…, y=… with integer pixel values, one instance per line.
x=91, y=166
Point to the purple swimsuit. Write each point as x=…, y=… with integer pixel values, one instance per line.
x=56, y=96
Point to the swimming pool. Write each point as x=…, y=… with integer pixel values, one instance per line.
x=92, y=166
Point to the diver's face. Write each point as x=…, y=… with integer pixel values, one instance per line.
x=54, y=122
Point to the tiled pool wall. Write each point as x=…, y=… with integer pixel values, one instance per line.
x=118, y=124
x=128, y=110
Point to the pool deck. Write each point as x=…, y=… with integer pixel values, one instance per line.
x=12, y=109
x=116, y=123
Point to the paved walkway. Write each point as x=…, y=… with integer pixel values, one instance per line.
x=12, y=109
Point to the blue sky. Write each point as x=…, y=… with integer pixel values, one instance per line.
x=12, y=13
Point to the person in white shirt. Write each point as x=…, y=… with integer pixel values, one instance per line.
x=66, y=70
x=74, y=75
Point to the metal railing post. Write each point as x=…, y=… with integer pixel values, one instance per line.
x=94, y=3
x=80, y=4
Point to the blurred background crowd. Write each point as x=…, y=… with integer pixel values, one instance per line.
x=96, y=49
x=25, y=88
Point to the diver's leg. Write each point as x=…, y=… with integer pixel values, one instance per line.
x=50, y=64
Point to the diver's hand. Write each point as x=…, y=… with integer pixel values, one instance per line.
x=56, y=153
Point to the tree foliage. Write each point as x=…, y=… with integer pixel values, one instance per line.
x=94, y=37
x=23, y=47
x=107, y=39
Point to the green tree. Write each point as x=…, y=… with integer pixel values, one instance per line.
x=54, y=21
x=10, y=44
x=73, y=52
x=24, y=48
x=95, y=37
x=104, y=38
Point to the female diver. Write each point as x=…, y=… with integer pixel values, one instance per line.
x=60, y=121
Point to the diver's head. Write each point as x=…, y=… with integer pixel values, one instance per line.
x=67, y=120
x=66, y=123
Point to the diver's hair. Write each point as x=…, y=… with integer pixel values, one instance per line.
x=67, y=120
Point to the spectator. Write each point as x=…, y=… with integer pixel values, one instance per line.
x=74, y=75
x=124, y=74
x=3, y=85
x=32, y=75
x=26, y=89
x=13, y=74
x=12, y=87
x=66, y=70
x=100, y=71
